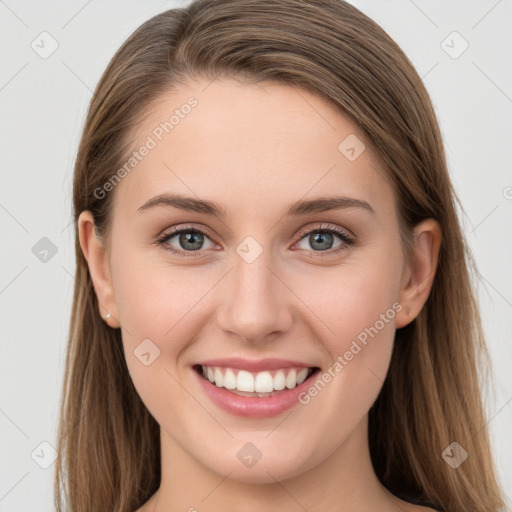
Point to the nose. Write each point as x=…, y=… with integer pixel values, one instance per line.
x=255, y=302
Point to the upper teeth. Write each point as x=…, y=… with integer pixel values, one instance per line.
x=261, y=382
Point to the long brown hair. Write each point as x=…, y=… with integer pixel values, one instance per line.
x=109, y=446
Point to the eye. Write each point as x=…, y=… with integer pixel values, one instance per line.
x=323, y=238
x=188, y=240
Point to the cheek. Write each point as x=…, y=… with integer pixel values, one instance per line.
x=357, y=307
x=155, y=299
x=159, y=307
x=156, y=309
x=353, y=302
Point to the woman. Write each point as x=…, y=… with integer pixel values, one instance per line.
x=272, y=306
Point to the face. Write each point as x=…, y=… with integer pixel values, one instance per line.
x=255, y=295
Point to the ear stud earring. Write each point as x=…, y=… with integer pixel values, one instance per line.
x=107, y=316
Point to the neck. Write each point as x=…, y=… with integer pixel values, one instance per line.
x=345, y=481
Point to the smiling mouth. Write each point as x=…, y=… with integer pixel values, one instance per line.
x=255, y=384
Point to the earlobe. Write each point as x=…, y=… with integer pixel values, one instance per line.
x=97, y=260
x=421, y=270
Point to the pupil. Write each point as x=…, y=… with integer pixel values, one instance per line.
x=193, y=238
x=321, y=239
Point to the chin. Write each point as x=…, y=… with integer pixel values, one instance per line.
x=267, y=464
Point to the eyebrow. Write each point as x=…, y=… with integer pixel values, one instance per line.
x=321, y=204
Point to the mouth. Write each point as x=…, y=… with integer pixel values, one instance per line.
x=255, y=384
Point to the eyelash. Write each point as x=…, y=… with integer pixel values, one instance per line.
x=347, y=240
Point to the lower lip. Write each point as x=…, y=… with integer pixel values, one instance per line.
x=253, y=407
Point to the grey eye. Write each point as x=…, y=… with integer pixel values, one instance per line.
x=320, y=240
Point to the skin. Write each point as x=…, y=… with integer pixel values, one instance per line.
x=255, y=149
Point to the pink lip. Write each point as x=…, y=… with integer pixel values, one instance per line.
x=249, y=407
x=254, y=366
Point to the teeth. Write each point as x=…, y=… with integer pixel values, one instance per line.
x=261, y=383
x=245, y=381
x=279, y=381
x=291, y=379
x=264, y=383
x=219, y=378
x=301, y=376
x=229, y=379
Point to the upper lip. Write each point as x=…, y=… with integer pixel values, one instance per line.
x=255, y=365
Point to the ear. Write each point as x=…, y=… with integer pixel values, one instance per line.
x=418, y=275
x=96, y=255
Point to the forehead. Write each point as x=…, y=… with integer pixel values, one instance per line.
x=257, y=145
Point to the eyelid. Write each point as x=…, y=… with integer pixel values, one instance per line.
x=341, y=232
x=185, y=227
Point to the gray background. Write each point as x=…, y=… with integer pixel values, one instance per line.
x=43, y=103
